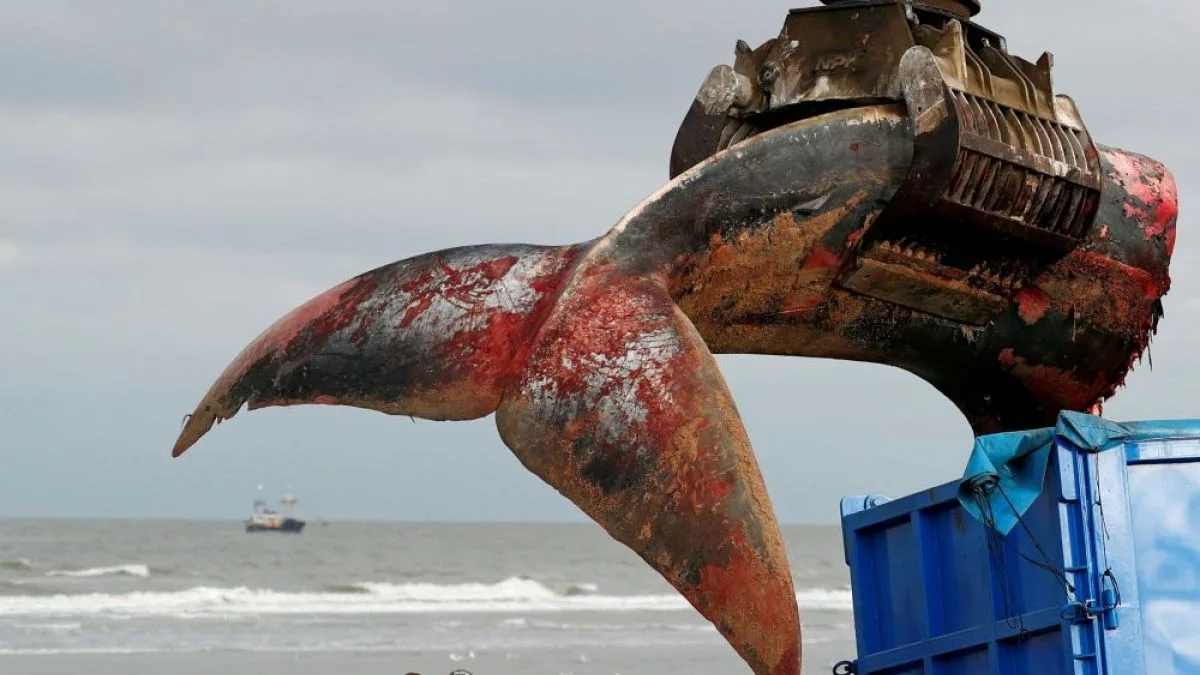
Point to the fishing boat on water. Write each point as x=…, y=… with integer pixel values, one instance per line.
x=266, y=519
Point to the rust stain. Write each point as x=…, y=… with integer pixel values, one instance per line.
x=728, y=587
x=1154, y=190
x=1166, y=212
x=1134, y=212
x=1100, y=290
x=324, y=314
x=1049, y=383
x=1141, y=176
x=1008, y=358
x=1032, y=303
x=790, y=268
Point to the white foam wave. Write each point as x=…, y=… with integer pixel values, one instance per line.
x=514, y=588
x=582, y=589
x=522, y=623
x=50, y=627
x=134, y=570
x=18, y=564
x=457, y=651
x=510, y=595
x=73, y=651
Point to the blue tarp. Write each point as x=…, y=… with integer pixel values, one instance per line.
x=1006, y=471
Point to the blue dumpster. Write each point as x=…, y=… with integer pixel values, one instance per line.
x=1072, y=549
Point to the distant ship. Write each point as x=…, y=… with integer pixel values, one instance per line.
x=268, y=520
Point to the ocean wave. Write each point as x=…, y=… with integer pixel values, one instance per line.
x=455, y=650
x=581, y=589
x=76, y=651
x=346, y=588
x=510, y=595
x=133, y=570
x=522, y=623
x=69, y=627
x=16, y=564
x=513, y=588
x=518, y=587
x=15, y=588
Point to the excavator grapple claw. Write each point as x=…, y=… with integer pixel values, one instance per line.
x=1006, y=195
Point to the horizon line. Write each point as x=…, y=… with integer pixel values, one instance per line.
x=355, y=520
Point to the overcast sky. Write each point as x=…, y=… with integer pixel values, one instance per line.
x=175, y=175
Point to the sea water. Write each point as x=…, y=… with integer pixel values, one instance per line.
x=206, y=597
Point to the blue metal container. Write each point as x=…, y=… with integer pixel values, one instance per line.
x=1073, y=549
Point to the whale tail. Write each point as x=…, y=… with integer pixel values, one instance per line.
x=622, y=408
x=602, y=387
x=435, y=336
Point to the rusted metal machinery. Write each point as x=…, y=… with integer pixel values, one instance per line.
x=882, y=182
x=1008, y=203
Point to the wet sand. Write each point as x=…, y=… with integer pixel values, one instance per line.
x=699, y=661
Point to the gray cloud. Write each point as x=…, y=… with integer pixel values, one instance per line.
x=176, y=175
